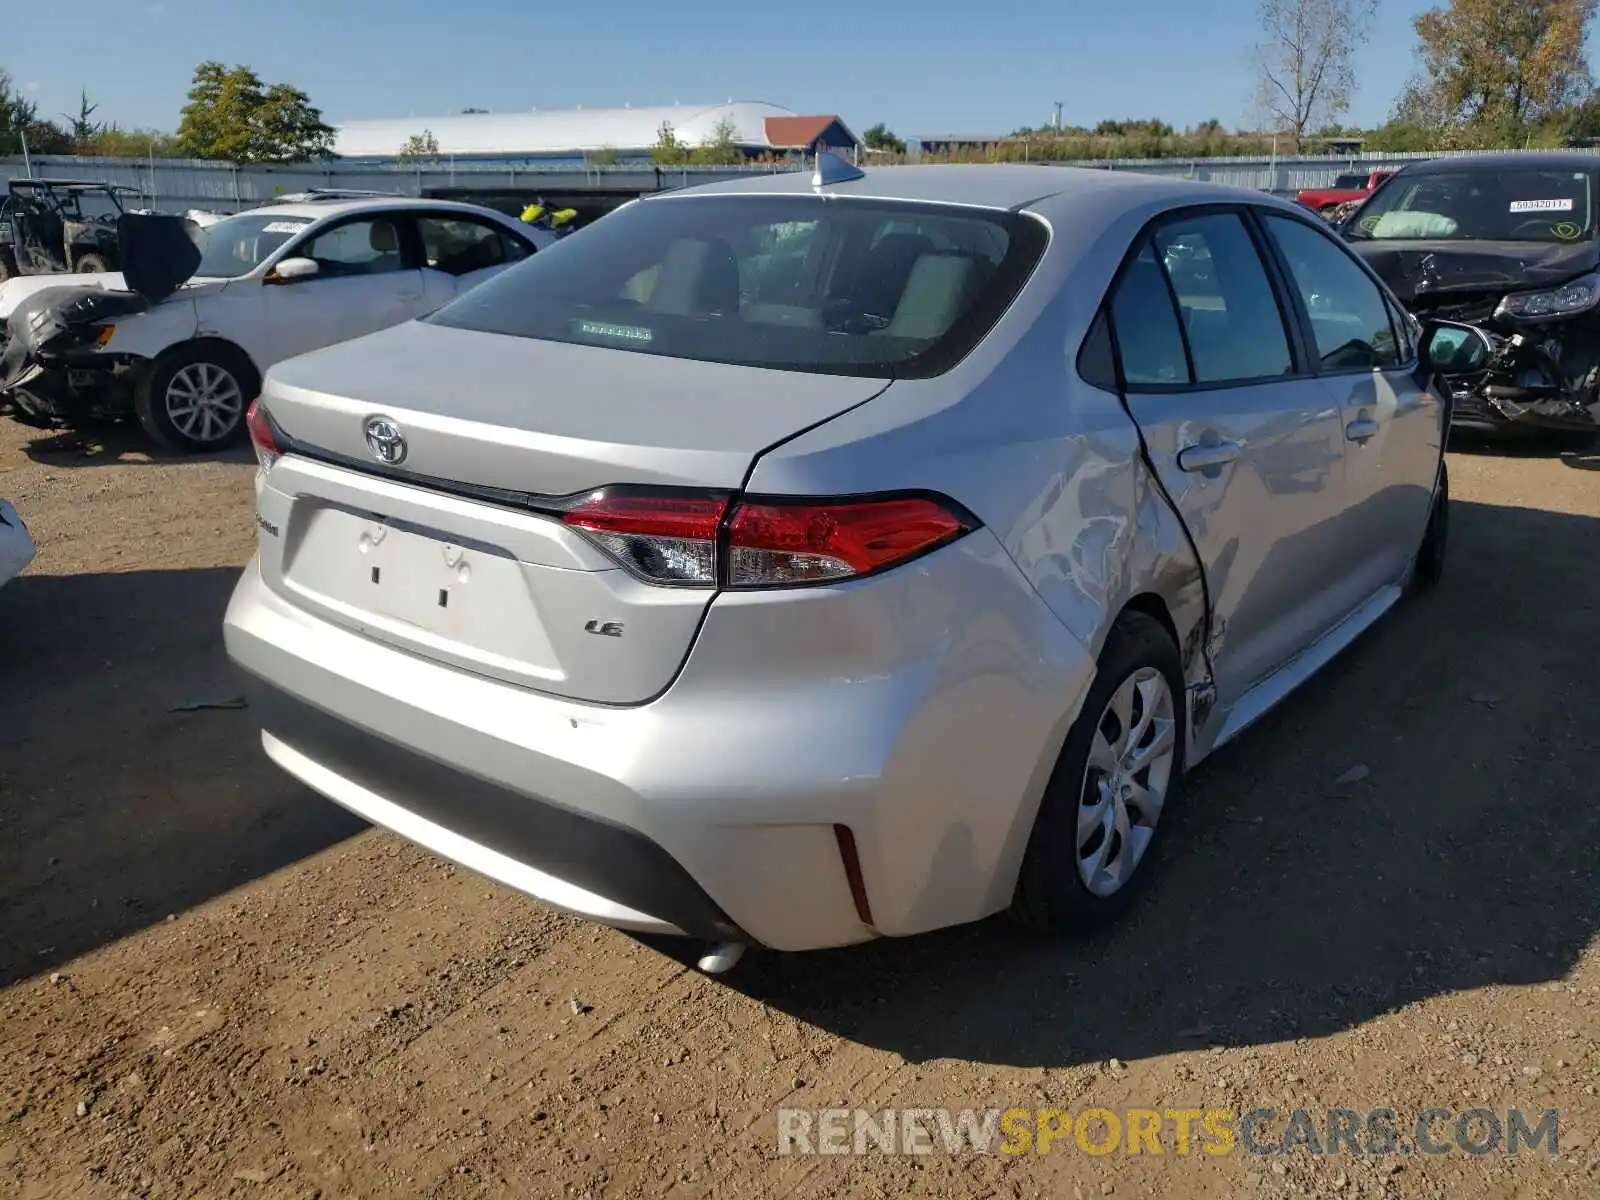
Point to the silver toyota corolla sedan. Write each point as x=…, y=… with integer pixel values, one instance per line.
x=802, y=560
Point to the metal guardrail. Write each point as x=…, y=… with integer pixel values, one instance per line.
x=178, y=184
x=1283, y=175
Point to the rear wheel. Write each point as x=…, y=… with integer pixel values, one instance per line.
x=1121, y=769
x=194, y=399
x=91, y=262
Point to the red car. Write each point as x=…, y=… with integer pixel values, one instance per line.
x=1345, y=188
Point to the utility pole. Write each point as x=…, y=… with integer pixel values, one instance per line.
x=1059, y=106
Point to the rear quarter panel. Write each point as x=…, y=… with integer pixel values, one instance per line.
x=1052, y=465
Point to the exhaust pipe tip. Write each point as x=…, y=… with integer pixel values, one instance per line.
x=721, y=958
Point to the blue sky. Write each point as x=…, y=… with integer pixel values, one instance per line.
x=930, y=67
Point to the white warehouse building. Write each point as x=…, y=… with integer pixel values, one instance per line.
x=571, y=136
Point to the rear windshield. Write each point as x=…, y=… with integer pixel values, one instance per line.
x=1350, y=183
x=1482, y=204
x=830, y=285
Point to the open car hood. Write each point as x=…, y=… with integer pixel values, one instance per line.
x=159, y=253
x=1413, y=269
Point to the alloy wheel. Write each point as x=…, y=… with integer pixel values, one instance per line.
x=1125, y=782
x=204, y=402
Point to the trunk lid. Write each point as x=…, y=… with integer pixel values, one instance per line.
x=444, y=553
x=548, y=418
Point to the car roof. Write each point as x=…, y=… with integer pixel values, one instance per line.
x=1538, y=160
x=985, y=185
x=318, y=209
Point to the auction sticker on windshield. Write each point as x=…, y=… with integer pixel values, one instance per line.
x=1522, y=206
x=284, y=226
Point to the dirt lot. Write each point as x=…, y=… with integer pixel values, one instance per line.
x=213, y=983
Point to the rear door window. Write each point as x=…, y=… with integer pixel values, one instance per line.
x=837, y=284
x=1149, y=340
x=460, y=245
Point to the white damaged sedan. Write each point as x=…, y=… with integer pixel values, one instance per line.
x=183, y=334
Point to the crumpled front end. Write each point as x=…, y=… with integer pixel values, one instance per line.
x=1542, y=376
x=1540, y=306
x=52, y=366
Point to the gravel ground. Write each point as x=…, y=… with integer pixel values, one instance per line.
x=212, y=983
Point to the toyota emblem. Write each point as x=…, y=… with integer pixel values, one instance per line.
x=384, y=439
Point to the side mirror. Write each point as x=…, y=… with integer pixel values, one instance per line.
x=292, y=269
x=1451, y=348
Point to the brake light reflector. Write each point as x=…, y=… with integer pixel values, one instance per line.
x=263, y=435
x=657, y=538
x=683, y=539
x=772, y=544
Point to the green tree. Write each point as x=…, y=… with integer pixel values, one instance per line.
x=289, y=128
x=720, y=147
x=419, y=146
x=233, y=116
x=83, y=127
x=112, y=141
x=881, y=137
x=1495, y=71
x=1305, y=66
x=19, y=119
x=669, y=151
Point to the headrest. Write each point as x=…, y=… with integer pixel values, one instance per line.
x=935, y=295
x=384, y=238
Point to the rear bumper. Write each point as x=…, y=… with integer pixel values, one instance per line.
x=574, y=862
x=712, y=810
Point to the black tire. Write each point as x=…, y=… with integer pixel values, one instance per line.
x=1051, y=896
x=1429, y=567
x=151, y=396
x=91, y=262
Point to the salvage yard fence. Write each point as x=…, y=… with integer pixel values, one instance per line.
x=176, y=185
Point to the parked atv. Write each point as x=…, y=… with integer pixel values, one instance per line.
x=50, y=226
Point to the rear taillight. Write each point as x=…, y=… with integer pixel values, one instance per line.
x=659, y=538
x=772, y=544
x=263, y=435
x=683, y=540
